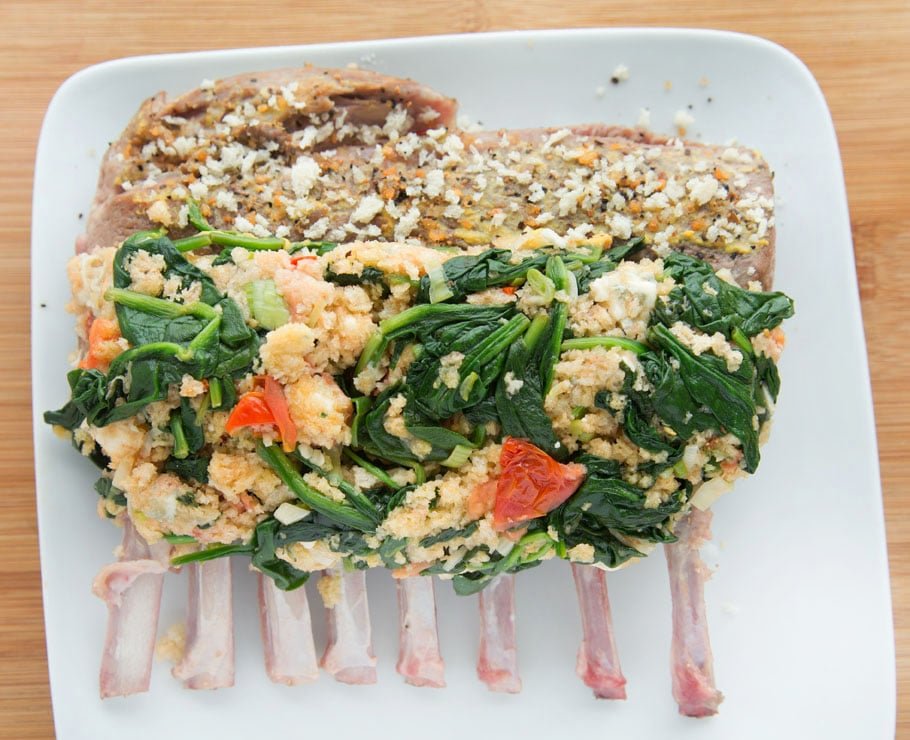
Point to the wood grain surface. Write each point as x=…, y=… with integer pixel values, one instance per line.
x=857, y=49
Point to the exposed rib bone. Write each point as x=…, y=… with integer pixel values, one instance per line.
x=287, y=634
x=208, y=660
x=419, y=660
x=497, y=665
x=349, y=653
x=598, y=660
x=691, y=660
x=131, y=588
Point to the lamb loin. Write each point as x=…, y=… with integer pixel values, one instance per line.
x=344, y=155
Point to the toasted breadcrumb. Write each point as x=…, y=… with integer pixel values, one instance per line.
x=172, y=644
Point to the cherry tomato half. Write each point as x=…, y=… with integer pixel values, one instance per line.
x=251, y=410
x=531, y=483
x=265, y=405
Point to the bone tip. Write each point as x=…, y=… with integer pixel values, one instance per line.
x=425, y=676
x=360, y=675
x=428, y=682
x=695, y=693
x=605, y=686
x=299, y=679
x=207, y=683
x=502, y=682
x=704, y=703
x=615, y=691
x=107, y=692
x=701, y=709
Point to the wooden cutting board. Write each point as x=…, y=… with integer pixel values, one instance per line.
x=857, y=50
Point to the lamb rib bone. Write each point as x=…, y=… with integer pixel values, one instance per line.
x=349, y=654
x=497, y=665
x=131, y=588
x=208, y=659
x=419, y=660
x=287, y=634
x=598, y=660
x=691, y=661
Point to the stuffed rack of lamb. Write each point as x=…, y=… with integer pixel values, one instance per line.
x=324, y=328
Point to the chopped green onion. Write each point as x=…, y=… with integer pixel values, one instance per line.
x=361, y=406
x=576, y=428
x=579, y=411
x=742, y=341
x=458, y=457
x=593, y=253
x=467, y=385
x=541, y=285
x=215, y=391
x=557, y=272
x=204, y=406
x=681, y=469
x=572, y=287
x=333, y=465
x=394, y=278
x=266, y=304
x=288, y=513
x=439, y=288
x=181, y=448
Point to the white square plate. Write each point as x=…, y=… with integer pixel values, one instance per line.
x=799, y=608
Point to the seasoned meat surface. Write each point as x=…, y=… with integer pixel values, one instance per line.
x=340, y=155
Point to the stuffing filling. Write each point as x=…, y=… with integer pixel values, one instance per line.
x=396, y=405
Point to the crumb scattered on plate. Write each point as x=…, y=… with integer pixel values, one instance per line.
x=620, y=74
x=682, y=120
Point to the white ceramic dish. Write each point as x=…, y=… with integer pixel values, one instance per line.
x=799, y=608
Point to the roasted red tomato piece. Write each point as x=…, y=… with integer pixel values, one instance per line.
x=278, y=405
x=251, y=410
x=531, y=483
x=265, y=405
